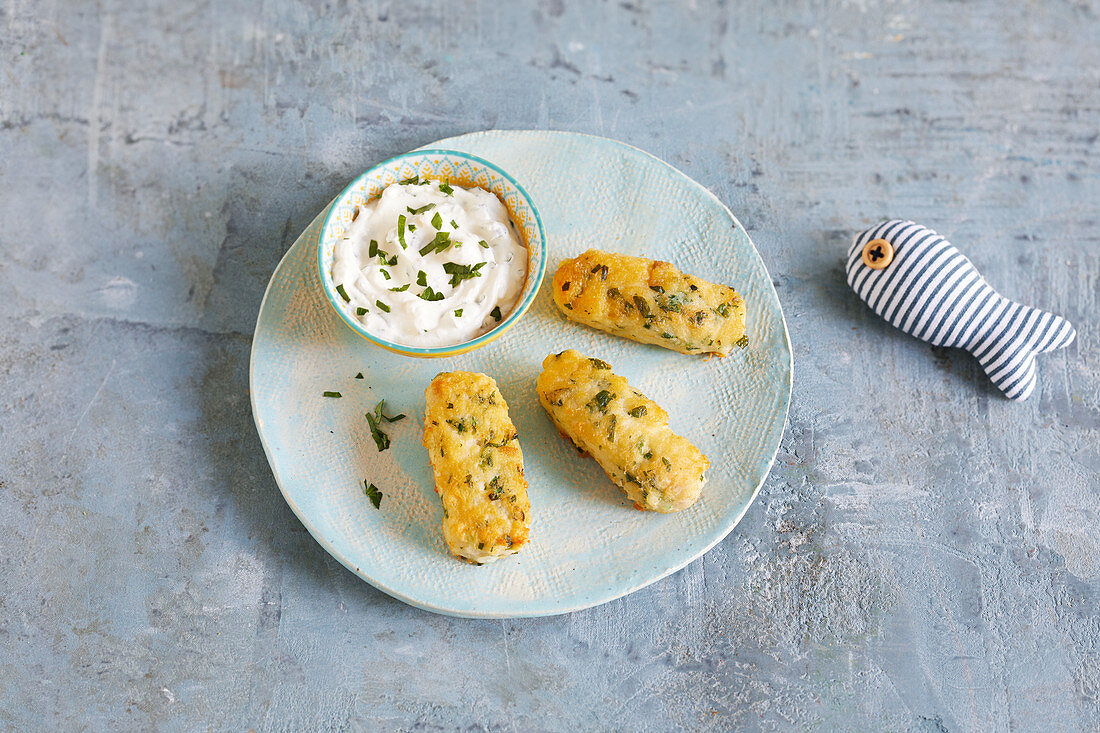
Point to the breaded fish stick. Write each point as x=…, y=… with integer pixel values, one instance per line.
x=626, y=432
x=650, y=301
x=474, y=451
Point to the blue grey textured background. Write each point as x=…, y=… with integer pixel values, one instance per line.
x=924, y=556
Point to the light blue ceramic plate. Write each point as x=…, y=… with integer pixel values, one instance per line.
x=588, y=545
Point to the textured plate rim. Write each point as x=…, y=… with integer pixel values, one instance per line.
x=588, y=602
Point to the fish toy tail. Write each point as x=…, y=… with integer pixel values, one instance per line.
x=1010, y=339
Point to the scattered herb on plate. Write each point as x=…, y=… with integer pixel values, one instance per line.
x=375, y=419
x=372, y=493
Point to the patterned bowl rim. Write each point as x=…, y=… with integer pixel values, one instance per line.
x=534, y=275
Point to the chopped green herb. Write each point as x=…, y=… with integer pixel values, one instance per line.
x=401, y=231
x=638, y=411
x=441, y=242
x=360, y=311
x=600, y=364
x=671, y=303
x=379, y=412
x=600, y=401
x=667, y=335
x=381, y=440
x=502, y=443
x=743, y=342
x=421, y=278
x=454, y=224
x=602, y=269
x=343, y=293
x=332, y=394
x=643, y=306
x=411, y=181
x=459, y=272
x=359, y=375
x=668, y=463
x=723, y=310
x=422, y=209
x=430, y=295
x=373, y=494
x=373, y=250
x=385, y=274
x=382, y=306
x=401, y=289
x=412, y=227
x=615, y=294
x=647, y=455
x=611, y=427
x=458, y=313
x=495, y=489
x=631, y=479
x=437, y=220
x=483, y=243
x=656, y=288
x=446, y=188
x=495, y=312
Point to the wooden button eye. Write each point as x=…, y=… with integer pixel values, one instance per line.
x=877, y=254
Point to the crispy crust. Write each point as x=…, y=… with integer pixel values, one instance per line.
x=649, y=301
x=626, y=432
x=474, y=451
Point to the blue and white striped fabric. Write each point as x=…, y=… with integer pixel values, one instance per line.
x=932, y=291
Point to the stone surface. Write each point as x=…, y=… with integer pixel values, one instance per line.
x=924, y=555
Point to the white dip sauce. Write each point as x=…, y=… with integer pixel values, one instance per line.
x=430, y=265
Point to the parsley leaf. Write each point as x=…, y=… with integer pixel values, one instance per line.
x=459, y=272
x=441, y=242
x=600, y=401
x=371, y=491
x=430, y=295
x=381, y=440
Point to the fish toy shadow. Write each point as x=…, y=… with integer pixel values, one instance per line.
x=920, y=283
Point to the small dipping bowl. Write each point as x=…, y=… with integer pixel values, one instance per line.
x=457, y=169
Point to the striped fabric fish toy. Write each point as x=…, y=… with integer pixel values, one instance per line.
x=919, y=282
